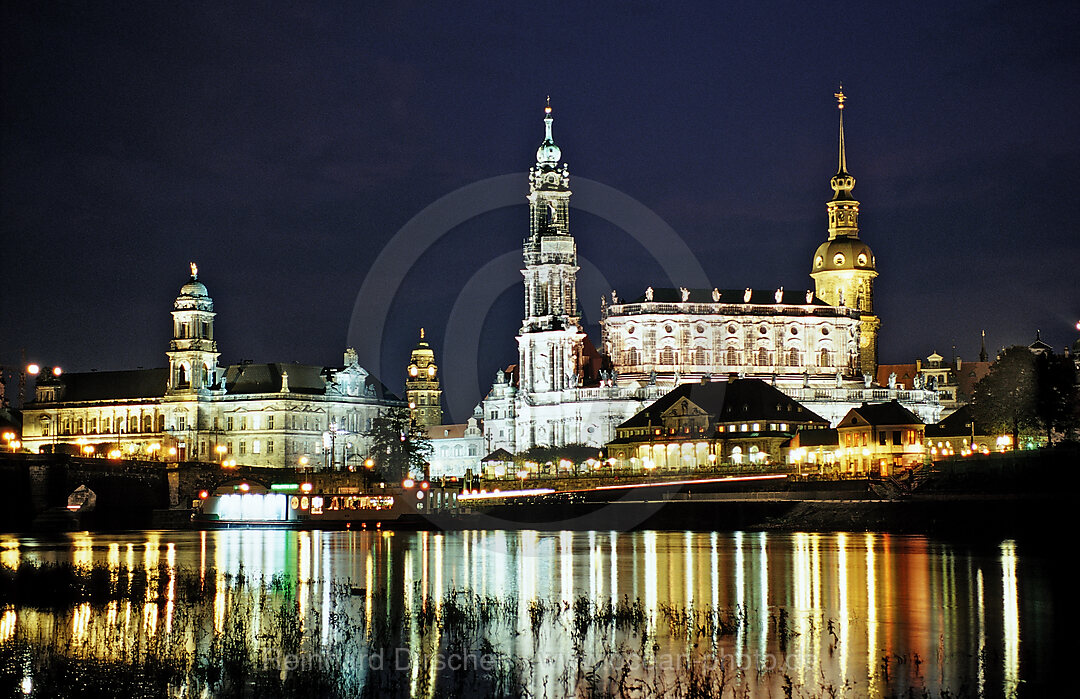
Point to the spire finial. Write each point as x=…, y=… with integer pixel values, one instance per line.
x=548, y=153
x=194, y=270
x=840, y=97
x=421, y=333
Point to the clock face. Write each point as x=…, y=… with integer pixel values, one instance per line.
x=413, y=370
x=431, y=370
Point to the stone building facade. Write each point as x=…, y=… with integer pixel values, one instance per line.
x=276, y=414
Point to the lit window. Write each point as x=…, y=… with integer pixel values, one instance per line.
x=743, y=428
x=256, y=448
x=757, y=427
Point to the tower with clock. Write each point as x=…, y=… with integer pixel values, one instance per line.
x=422, y=389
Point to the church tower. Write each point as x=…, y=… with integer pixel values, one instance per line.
x=422, y=386
x=193, y=352
x=549, y=345
x=844, y=266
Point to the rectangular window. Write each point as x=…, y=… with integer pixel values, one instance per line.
x=896, y=438
x=93, y=425
x=255, y=447
x=269, y=422
x=181, y=422
x=108, y=424
x=243, y=448
x=217, y=423
x=269, y=446
x=229, y=423
x=254, y=422
x=882, y=438
x=243, y=423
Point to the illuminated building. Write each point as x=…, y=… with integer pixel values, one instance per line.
x=880, y=437
x=817, y=346
x=706, y=424
x=275, y=414
x=422, y=389
x=456, y=448
x=954, y=382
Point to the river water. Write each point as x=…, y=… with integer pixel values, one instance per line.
x=803, y=614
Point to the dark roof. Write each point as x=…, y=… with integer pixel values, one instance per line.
x=757, y=296
x=499, y=454
x=266, y=378
x=956, y=424
x=308, y=379
x=891, y=413
x=818, y=437
x=113, y=385
x=729, y=401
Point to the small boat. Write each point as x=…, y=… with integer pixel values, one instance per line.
x=302, y=506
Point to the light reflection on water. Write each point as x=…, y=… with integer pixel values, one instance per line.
x=864, y=613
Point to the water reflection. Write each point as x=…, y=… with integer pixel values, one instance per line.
x=872, y=613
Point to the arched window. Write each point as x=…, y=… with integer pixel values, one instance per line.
x=701, y=357
x=763, y=357
x=793, y=357
x=631, y=357
x=667, y=356
x=826, y=357
x=181, y=375
x=736, y=455
x=732, y=356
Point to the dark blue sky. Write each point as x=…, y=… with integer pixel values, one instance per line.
x=283, y=145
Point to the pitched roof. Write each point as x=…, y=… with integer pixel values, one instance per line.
x=891, y=413
x=309, y=379
x=113, y=385
x=266, y=378
x=446, y=431
x=817, y=437
x=499, y=454
x=956, y=424
x=737, y=399
x=905, y=374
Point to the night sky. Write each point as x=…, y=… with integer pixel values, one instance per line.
x=283, y=146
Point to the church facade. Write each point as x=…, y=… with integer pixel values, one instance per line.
x=276, y=414
x=819, y=346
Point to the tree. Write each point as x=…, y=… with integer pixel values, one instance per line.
x=1057, y=394
x=575, y=453
x=1005, y=399
x=399, y=448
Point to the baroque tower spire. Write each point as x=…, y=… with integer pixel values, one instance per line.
x=844, y=267
x=550, y=340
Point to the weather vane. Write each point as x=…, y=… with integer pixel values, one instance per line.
x=840, y=96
